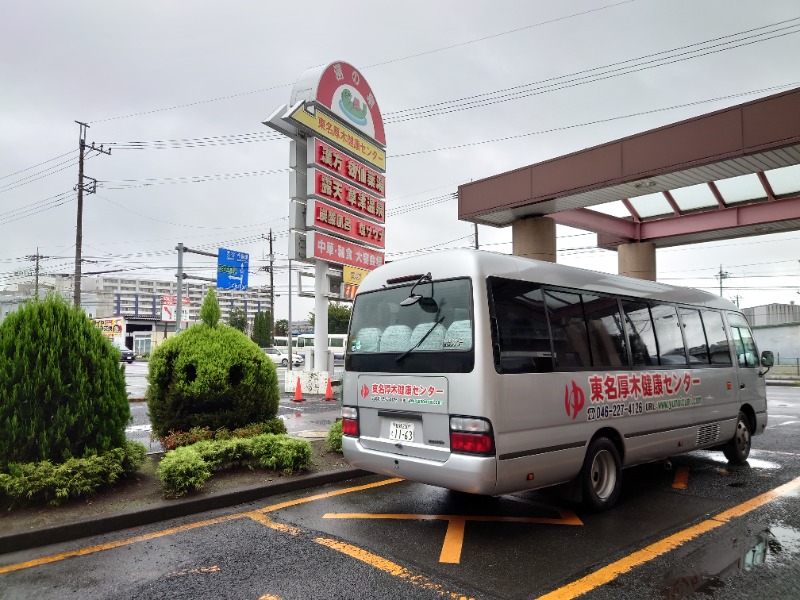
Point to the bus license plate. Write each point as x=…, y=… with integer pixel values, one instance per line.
x=401, y=431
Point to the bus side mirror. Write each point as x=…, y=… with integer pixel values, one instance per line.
x=767, y=359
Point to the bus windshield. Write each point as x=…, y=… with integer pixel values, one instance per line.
x=432, y=331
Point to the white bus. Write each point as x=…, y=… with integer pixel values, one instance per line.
x=492, y=374
x=282, y=341
x=336, y=343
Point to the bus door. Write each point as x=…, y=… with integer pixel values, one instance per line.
x=750, y=377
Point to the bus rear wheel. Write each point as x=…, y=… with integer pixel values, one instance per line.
x=601, y=475
x=738, y=448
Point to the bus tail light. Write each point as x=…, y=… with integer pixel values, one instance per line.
x=471, y=435
x=350, y=421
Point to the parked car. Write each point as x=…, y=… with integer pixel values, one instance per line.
x=126, y=354
x=281, y=357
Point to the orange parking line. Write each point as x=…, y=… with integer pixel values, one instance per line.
x=157, y=534
x=627, y=563
x=453, y=541
x=681, y=479
x=454, y=537
x=298, y=501
x=111, y=545
x=389, y=567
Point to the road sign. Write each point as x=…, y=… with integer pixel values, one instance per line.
x=169, y=306
x=232, y=267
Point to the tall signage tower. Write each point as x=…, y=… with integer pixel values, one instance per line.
x=337, y=189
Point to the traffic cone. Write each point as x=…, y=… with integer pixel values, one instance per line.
x=329, y=393
x=298, y=393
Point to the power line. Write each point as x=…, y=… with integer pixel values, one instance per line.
x=38, y=164
x=275, y=87
x=592, y=75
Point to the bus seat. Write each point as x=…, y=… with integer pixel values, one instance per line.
x=434, y=341
x=395, y=338
x=369, y=338
x=458, y=336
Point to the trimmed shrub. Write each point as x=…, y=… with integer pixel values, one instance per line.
x=40, y=482
x=187, y=468
x=335, y=437
x=62, y=389
x=175, y=439
x=182, y=470
x=210, y=375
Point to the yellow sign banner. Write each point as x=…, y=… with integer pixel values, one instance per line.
x=332, y=129
x=353, y=275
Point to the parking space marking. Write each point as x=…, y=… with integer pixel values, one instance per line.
x=456, y=524
x=610, y=572
x=189, y=526
x=389, y=567
x=111, y=545
x=681, y=479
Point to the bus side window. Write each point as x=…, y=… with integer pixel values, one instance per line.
x=605, y=331
x=671, y=352
x=570, y=339
x=695, y=336
x=522, y=343
x=641, y=336
x=718, y=346
x=746, y=351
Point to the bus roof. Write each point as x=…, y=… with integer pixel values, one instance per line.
x=479, y=264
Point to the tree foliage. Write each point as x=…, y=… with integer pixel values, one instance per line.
x=209, y=376
x=282, y=327
x=338, y=317
x=62, y=389
x=209, y=311
x=237, y=319
x=261, y=334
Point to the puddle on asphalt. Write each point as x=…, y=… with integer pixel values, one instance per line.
x=739, y=552
x=752, y=462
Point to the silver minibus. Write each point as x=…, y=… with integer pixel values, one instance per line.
x=492, y=374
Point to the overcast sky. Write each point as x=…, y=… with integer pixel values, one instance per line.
x=196, y=73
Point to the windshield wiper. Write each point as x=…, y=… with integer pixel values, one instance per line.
x=417, y=345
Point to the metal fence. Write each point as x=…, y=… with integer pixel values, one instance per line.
x=786, y=365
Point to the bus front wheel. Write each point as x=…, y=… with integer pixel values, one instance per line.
x=601, y=476
x=738, y=448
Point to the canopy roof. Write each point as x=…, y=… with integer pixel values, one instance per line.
x=725, y=174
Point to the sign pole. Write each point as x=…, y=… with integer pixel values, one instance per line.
x=179, y=297
x=320, y=316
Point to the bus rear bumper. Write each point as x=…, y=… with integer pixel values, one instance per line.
x=461, y=472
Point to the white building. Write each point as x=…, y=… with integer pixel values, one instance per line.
x=776, y=327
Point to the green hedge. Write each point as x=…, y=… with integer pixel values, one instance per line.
x=45, y=482
x=335, y=437
x=187, y=468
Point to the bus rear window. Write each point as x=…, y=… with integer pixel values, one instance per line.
x=439, y=323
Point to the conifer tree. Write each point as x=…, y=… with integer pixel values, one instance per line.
x=62, y=389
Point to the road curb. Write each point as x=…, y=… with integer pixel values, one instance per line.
x=783, y=382
x=168, y=510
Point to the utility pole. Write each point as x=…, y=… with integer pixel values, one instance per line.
x=89, y=189
x=476, y=235
x=272, y=294
x=736, y=299
x=722, y=275
x=36, y=257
